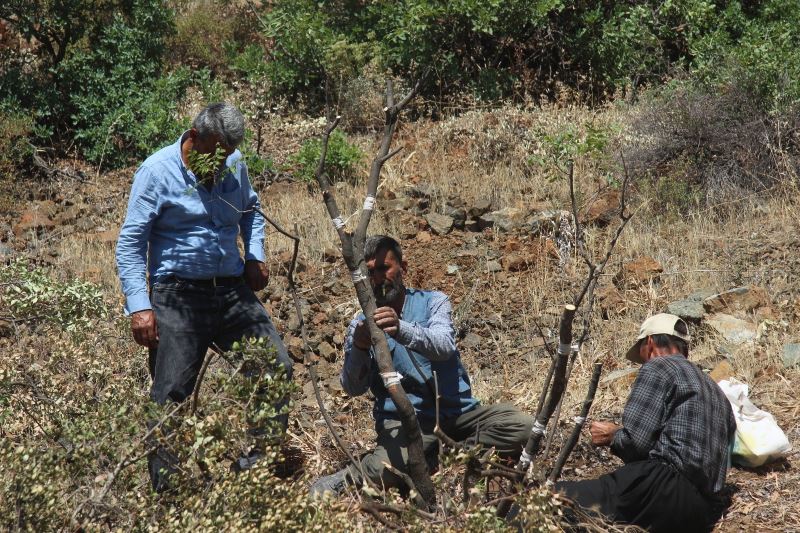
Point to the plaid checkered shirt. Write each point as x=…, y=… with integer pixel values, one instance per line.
x=677, y=415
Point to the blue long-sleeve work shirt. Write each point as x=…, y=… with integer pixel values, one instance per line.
x=176, y=227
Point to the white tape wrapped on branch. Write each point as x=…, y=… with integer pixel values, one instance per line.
x=338, y=223
x=357, y=275
x=564, y=349
x=538, y=428
x=579, y=420
x=369, y=203
x=525, y=458
x=576, y=347
x=391, y=378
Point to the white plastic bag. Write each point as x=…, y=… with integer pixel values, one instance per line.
x=759, y=439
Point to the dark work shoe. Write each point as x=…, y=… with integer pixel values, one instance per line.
x=247, y=462
x=333, y=484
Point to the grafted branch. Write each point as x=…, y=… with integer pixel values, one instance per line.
x=352, y=248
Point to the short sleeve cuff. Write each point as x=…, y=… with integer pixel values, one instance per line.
x=137, y=302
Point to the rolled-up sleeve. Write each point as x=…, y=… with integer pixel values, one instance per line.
x=131, y=254
x=357, y=364
x=252, y=223
x=642, y=419
x=436, y=340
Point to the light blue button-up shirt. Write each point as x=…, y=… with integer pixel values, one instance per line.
x=191, y=232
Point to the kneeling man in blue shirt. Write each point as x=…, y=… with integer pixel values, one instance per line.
x=421, y=337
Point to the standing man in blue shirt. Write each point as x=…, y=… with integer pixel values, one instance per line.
x=421, y=337
x=182, y=228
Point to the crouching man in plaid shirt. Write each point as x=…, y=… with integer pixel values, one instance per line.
x=676, y=430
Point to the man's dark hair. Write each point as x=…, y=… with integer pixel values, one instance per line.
x=664, y=340
x=378, y=243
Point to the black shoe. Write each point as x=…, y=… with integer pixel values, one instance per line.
x=333, y=484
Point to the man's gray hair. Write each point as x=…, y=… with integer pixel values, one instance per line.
x=378, y=243
x=223, y=120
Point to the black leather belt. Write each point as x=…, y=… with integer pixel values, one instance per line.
x=217, y=281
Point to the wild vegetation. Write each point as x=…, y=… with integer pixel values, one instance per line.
x=697, y=101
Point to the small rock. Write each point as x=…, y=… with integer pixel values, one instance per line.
x=471, y=340
x=702, y=294
x=440, y=224
x=331, y=255
x=424, y=237
x=421, y=190
x=723, y=370
x=284, y=260
x=458, y=214
x=6, y=328
x=452, y=269
x=791, y=355
x=338, y=339
x=687, y=309
x=547, y=223
x=326, y=351
x=455, y=202
x=479, y=208
x=493, y=266
x=737, y=301
x=603, y=209
x=507, y=219
x=732, y=329
x=32, y=219
x=638, y=272
x=517, y=262
x=294, y=345
x=611, y=301
x=472, y=225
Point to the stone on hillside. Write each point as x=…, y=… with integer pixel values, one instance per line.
x=493, y=266
x=687, y=309
x=440, y=224
x=331, y=255
x=732, y=329
x=546, y=223
x=421, y=190
x=702, y=294
x=480, y=207
x=507, y=219
x=294, y=345
x=737, y=301
x=611, y=300
x=403, y=203
x=602, y=209
x=284, y=260
x=424, y=237
x=791, y=355
x=326, y=351
x=472, y=225
x=32, y=219
x=638, y=272
x=471, y=340
x=517, y=262
x=452, y=269
x=723, y=370
x=458, y=214
x=456, y=202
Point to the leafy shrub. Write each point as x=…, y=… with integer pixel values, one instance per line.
x=341, y=162
x=15, y=129
x=31, y=295
x=202, y=35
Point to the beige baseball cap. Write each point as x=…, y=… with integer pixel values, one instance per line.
x=660, y=324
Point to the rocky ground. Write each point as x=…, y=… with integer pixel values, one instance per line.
x=508, y=268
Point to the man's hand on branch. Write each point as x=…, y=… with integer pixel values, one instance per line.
x=256, y=274
x=144, y=328
x=603, y=432
x=386, y=318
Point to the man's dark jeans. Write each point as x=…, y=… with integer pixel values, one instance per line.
x=191, y=316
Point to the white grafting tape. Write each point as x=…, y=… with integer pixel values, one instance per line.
x=338, y=223
x=357, y=275
x=579, y=420
x=538, y=428
x=369, y=203
x=564, y=349
x=391, y=378
x=525, y=458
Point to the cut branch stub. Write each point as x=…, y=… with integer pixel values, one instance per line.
x=352, y=247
